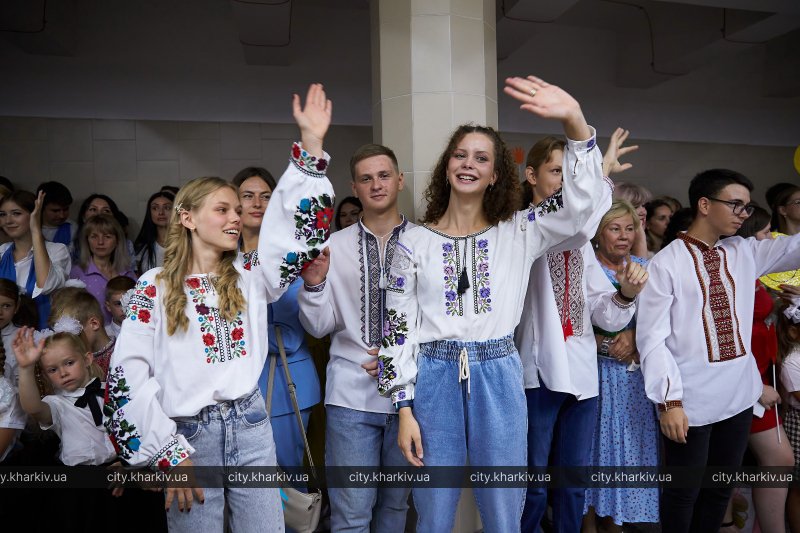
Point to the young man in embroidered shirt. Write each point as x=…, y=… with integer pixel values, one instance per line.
x=694, y=326
x=567, y=293
x=361, y=425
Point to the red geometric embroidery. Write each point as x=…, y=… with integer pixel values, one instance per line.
x=723, y=339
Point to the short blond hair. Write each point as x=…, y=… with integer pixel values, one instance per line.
x=619, y=208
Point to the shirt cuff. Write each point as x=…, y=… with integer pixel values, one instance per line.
x=671, y=404
x=173, y=453
x=404, y=393
x=584, y=146
x=315, y=288
x=307, y=163
x=622, y=301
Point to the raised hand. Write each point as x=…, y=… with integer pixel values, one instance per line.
x=314, y=272
x=631, y=279
x=551, y=102
x=36, y=214
x=313, y=119
x=26, y=350
x=611, y=164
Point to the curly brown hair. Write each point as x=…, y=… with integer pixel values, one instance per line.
x=499, y=201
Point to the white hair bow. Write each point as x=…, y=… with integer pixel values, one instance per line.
x=65, y=324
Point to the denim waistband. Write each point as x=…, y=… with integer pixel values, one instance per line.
x=224, y=409
x=477, y=350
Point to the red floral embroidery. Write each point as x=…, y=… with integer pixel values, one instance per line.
x=193, y=283
x=144, y=315
x=208, y=339
x=150, y=291
x=163, y=465
x=296, y=151
x=322, y=164
x=324, y=218
x=237, y=334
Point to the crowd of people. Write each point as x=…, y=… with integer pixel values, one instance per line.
x=560, y=318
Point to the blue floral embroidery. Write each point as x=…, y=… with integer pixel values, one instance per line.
x=386, y=374
x=480, y=272
x=312, y=220
x=395, y=329
x=124, y=435
x=451, y=268
x=293, y=264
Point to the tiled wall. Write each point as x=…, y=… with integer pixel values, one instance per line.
x=130, y=159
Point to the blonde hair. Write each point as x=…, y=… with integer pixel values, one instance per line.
x=619, y=208
x=77, y=303
x=178, y=257
x=76, y=344
x=120, y=259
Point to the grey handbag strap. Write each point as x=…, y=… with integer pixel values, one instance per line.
x=292, y=393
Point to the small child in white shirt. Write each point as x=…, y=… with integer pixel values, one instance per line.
x=72, y=405
x=115, y=290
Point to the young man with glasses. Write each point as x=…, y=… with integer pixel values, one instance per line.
x=693, y=333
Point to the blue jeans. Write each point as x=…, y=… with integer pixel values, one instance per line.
x=231, y=434
x=361, y=438
x=487, y=426
x=557, y=421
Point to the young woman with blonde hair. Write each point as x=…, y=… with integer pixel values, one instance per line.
x=182, y=386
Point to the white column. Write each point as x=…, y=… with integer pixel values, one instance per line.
x=434, y=67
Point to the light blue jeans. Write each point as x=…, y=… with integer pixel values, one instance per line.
x=488, y=426
x=364, y=439
x=231, y=434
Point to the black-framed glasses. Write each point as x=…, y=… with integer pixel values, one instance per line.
x=736, y=206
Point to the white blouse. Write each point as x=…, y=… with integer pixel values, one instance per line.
x=154, y=377
x=580, y=293
x=423, y=303
x=82, y=442
x=350, y=306
x=695, y=321
x=60, y=265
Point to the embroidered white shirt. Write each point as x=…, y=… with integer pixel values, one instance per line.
x=695, y=320
x=154, y=376
x=350, y=307
x=567, y=365
x=423, y=302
